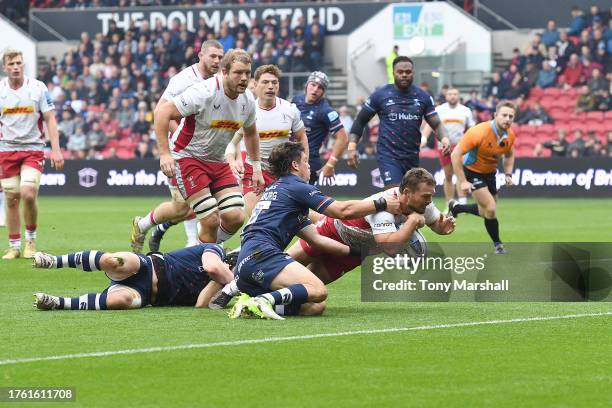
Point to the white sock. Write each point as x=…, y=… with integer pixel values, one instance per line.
x=146, y=222
x=223, y=235
x=191, y=230
x=462, y=200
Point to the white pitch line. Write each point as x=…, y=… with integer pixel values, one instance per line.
x=290, y=338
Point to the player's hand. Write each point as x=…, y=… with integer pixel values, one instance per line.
x=166, y=164
x=328, y=173
x=353, y=158
x=393, y=204
x=417, y=219
x=466, y=187
x=237, y=168
x=57, y=160
x=509, y=181
x=446, y=225
x=258, y=182
x=445, y=146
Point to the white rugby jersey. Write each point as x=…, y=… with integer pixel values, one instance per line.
x=275, y=126
x=361, y=231
x=181, y=81
x=210, y=120
x=456, y=120
x=21, y=115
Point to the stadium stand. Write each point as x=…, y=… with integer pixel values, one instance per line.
x=105, y=89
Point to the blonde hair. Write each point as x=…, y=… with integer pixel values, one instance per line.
x=10, y=53
x=505, y=104
x=267, y=69
x=234, y=55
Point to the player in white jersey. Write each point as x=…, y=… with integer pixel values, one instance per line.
x=456, y=118
x=213, y=110
x=415, y=193
x=277, y=121
x=172, y=212
x=25, y=104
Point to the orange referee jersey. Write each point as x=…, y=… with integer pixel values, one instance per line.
x=483, y=147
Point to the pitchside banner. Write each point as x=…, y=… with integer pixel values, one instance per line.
x=338, y=18
x=529, y=272
x=532, y=178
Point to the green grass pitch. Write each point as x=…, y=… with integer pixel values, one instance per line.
x=356, y=355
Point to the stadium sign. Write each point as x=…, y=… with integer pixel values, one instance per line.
x=338, y=18
x=551, y=177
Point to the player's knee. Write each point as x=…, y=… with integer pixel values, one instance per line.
x=313, y=309
x=232, y=220
x=28, y=195
x=490, y=211
x=317, y=292
x=109, y=263
x=123, y=299
x=12, y=200
x=210, y=223
x=181, y=209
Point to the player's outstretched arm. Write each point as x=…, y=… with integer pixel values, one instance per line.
x=322, y=243
x=207, y=293
x=57, y=160
x=162, y=117
x=403, y=234
x=362, y=119
x=437, y=126
x=216, y=268
x=351, y=209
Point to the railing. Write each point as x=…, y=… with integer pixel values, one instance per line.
x=50, y=30
x=478, y=7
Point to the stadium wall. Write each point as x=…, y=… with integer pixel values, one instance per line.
x=12, y=36
x=550, y=177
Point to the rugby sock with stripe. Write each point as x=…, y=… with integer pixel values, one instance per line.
x=492, y=227
x=87, y=261
x=191, y=230
x=223, y=234
x=164, y=227
x=15, y=241
x=147, y=222
x=90, y=301
x=294, y=294
x=30, y=232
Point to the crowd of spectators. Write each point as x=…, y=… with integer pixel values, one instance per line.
x=111, y=83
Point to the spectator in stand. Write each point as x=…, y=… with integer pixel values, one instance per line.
x=558, y=147
x=573, y=75
x=109, y=125
x=314, y=45
x=547, y=77
x=126, y=114
x=517, y=87
x=604, y=58
x=142, y=126
x=226, y=38
x=65, y=127
x=592, y=146
x=576, y=148
x=586, y=100
x=345, y=117
x=595, y=15
x=588, y=67
x=597, y=82
x=496, y=87
x=551, y=35
x=96, y=139
x=565, y=48
x=531, y=74
x=535, y=115
x=603, y=102
x=77, y=143
x=578, y=22
x=608, y=145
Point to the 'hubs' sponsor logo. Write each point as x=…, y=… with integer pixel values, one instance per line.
x=88, y=177
x=393, y=116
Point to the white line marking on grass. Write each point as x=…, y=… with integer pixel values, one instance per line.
x=290, y=338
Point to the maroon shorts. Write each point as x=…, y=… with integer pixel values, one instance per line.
x=11, y=162
x=193, y=175
x=247, y=179
x=336, y=265
x=445, y=159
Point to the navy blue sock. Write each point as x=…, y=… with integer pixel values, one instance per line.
x=87, y=261
x=91, y=301
x=465, y=208
x=296, y=294
x=492, y=227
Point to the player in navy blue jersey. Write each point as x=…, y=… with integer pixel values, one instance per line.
x=283, y=286
x=320, y=120
x=187, y=277
x=401, y=108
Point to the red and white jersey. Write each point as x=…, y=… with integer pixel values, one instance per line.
x=361, y=231
x=456, y=120
x=210, y=120
x=275, y=126
x=21, y=115
x=181, y=81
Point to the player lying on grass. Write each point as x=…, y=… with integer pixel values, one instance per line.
x=383, y=228
x=186, y=277
x=264, y=270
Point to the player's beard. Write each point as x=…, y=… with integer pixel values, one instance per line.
x=416, y=210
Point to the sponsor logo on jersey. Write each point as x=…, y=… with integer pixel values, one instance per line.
x=229, y=125
x=216, y=106
x=393, y=116
x=18, y=110
x=273, y=134
x=333, y=115
x=450, y=120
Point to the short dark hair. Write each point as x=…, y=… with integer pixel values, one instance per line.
x=267, y=69
x=402, y=58
x=282, y=156
x=414, y=177
x=505, y=104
